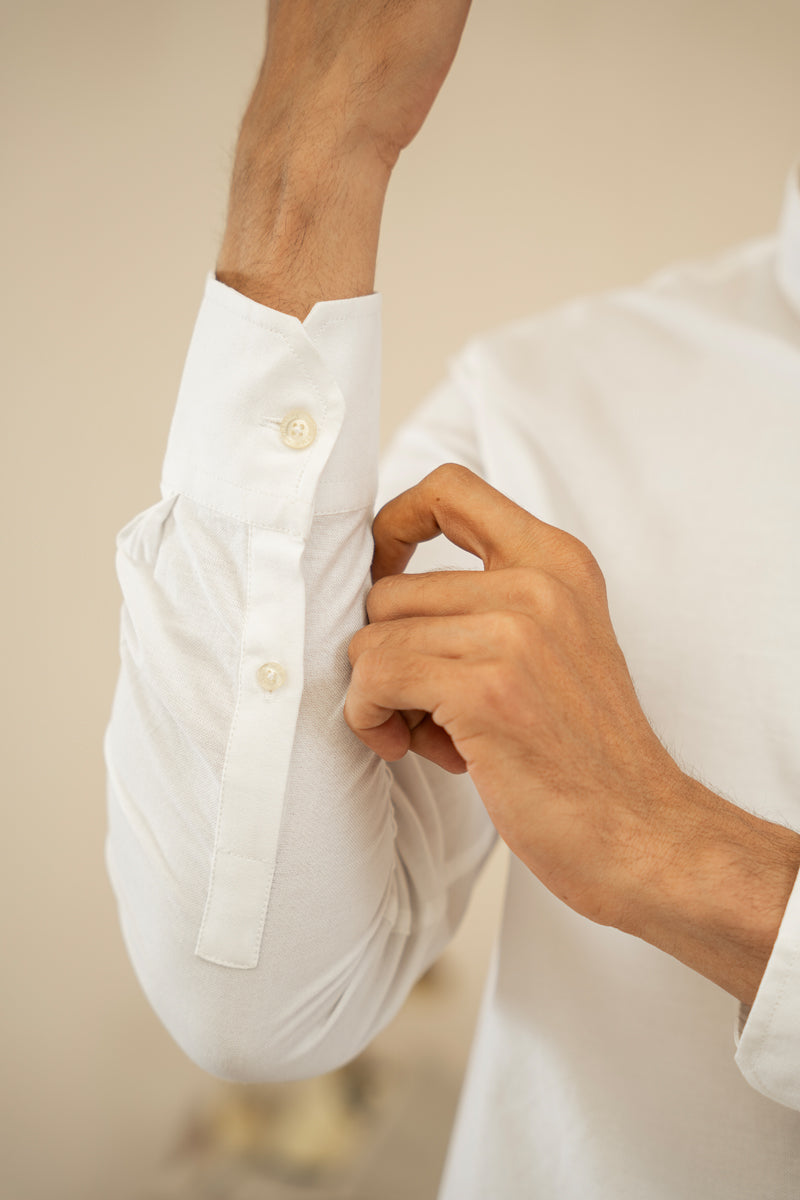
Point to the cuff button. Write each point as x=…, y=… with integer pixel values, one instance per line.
x=298, y=429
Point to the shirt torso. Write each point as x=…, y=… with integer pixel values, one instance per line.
x=661, y=427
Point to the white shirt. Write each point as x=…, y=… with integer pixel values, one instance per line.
x=280, y=888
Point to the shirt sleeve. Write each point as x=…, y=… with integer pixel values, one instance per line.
x=768, y=1043
x=280, y=888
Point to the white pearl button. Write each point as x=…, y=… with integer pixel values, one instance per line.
x=271, y=676
x=298, y=429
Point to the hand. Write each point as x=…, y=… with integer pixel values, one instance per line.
x=343, y=88
x=523, y=683
x=515, y=675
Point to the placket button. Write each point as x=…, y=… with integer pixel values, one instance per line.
x=298, y=429
x=270, y=676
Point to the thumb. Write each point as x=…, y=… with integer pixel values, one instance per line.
x=470, y=513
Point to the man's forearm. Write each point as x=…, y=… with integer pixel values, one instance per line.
x=305, y=208
x=714, y=892
x=342, y=90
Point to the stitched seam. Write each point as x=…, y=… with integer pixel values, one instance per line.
x=226, y=962
x=235, y=516
x=259, y=931
x=243, y=487
x=341, y=321
x=259, y=491
x=244, y=857
x=262, y=916
x=293, y=531
x=234, y=724
x=771, y=1018
x=339, y=512
x=298, y=360
x=221, y=300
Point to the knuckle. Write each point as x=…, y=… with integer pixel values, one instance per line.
x=534, y=588
x=521, y=587
x=383, y=517
x=450, y=470
x=547, y=596
x=511, y=629
x=367, y=669
x=450, y=476
x=492, y=685
x=582, y=574
x=590, y=573
x=358, y=644
x=579, y=562
x=553, y=596
x=380, y=597
x=536, y=593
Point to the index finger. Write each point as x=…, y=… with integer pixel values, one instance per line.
x=470, y=513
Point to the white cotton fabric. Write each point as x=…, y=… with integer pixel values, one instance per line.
x=280, y=889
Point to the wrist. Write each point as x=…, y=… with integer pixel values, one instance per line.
x=305, y=208
x=715, y=893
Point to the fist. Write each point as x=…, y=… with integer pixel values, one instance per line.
x=513, y=674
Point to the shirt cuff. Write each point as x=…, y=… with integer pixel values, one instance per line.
x=768, y=1051
x=249, y=373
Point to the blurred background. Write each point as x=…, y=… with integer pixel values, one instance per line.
x=576, y=146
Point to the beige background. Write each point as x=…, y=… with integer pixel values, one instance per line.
x=577, y=145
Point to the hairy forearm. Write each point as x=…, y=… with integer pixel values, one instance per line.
x=305, y=207
x=342, y=90
x=714, y=890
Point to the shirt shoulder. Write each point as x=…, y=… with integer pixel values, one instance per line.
x=665, y=322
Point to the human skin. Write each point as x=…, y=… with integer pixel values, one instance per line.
x=343, y=88
x=514, y=673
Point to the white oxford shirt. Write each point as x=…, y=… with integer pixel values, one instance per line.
x=280, y=888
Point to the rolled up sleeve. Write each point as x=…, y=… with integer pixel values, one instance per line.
x=280, y=888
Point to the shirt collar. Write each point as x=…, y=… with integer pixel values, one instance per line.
x=788, y=261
